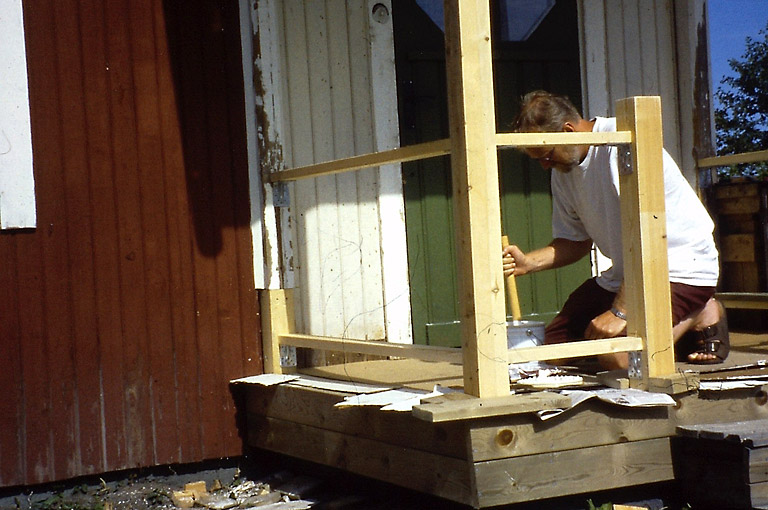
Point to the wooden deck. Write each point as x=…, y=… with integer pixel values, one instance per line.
x=491, y=451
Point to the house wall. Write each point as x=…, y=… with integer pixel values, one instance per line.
x=326, y=70
x=651, y=47
x=125, y=313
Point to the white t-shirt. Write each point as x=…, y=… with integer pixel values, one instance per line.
x=586, y=206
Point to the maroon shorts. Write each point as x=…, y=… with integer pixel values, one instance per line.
x=590, y=300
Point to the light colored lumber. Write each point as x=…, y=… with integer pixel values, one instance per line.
x=346, y=345
x=476, y=202
x=551, y=139
x=276, y=318
x=646, y=271
x=734, y=159
x=548, y=475
x=575, y=349
x=468, y=409
x=399, y=155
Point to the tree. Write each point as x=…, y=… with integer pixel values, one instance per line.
x=742, y=119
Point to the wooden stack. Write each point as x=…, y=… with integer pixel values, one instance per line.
x=723, y=465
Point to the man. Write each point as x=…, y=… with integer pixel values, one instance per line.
x=585, y=194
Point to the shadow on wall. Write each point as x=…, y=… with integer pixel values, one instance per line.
x=205, y=59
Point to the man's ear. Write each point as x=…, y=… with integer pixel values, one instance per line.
x=568, y=127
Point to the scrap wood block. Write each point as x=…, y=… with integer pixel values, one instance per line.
x=467, y=409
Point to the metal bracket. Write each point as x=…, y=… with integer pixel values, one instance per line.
x=288, y=356
x=635, y=365
x=281, y=197
x=625, y=159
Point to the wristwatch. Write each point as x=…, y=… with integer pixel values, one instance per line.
x=618, y=313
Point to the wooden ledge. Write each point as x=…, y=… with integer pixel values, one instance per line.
x=463, y=407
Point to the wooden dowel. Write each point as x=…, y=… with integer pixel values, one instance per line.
x=514, y=300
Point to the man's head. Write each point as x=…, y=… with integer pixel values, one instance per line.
x=543, y=112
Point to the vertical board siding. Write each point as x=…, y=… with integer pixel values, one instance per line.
x=329, y=115
x=127, y=311
x=629, y=48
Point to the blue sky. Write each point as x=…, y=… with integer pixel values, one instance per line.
x=730, y=22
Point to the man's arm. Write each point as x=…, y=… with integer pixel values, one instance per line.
x=558, y=253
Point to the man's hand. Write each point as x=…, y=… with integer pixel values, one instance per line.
x=605, y=325
x=515, y=261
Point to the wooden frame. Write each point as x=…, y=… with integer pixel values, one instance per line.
x=473, y=146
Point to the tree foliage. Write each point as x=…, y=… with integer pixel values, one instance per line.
x=742, y=119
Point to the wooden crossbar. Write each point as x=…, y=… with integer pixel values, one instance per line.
x=374, y=348
x=733, y=159
x=453, y=355
x=399, y=155
x=551, y=139
x=441, y=148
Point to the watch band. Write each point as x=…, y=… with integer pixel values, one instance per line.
x=618, y=313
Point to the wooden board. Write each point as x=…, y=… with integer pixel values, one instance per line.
x=548, y=475
x=416, y=469
x=466, y=409
x=314, y=407
x=592, y=423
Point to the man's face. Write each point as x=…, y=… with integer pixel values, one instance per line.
x=562, y=158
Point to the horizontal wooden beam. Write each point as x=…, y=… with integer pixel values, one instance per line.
x=374, y=348
x=408, y=153
x=743, y=300
x=576, y=349
x=442, y=148
x=453, y=355
x=549, y=139
x=733, y=159
x=442, y=409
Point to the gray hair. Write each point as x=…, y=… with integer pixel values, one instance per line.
x=543, y=111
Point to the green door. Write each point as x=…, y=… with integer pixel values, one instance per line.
x=548, y=59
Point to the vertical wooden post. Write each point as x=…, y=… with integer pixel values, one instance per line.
x=276, y=319
x=644, y=235
x=476, y=196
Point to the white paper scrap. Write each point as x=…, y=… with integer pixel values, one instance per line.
x=729, y=385
x=336, y=385
x=380, y=399
x=266, y=379
x=629, y=397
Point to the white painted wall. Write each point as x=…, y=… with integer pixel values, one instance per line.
x=17, y=185
x=327, y=69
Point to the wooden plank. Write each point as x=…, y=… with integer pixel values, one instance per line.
x=106, y=255
x=550, y=139
x=415, y=469
x=737, y=248
x=569, y=472
x=734, y=159
x=738, y=205
x=467, y=409
x=592, y=423
x=149, y=149
x=276, y=319
x=347, y=345
x=315, y=407
x=79, y=233
x=398, y=155
x=12, y=398
x=575, y=349
x=475, y=183
x=746, y=300
x=646, y=273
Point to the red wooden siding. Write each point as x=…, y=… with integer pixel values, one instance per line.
x=126, y=312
